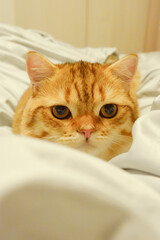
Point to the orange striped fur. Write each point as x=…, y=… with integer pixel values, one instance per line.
x=84, y=88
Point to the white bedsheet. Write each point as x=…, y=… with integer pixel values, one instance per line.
x=48, y=191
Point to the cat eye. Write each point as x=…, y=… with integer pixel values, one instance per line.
x=108, y=111
x=60, y=112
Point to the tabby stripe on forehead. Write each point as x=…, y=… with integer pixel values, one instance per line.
x=78, y=92
x=95, y=80
x=92, y=89
x=102, y=93
x=67, y=94
x=93, y=70
x=73, y=74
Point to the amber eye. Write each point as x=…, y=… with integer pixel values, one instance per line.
x=60, y=112
x=108, y=111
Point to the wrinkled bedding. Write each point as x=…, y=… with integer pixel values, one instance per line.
x=48, y=191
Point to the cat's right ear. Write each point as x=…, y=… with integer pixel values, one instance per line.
x=39, y=68
x=125, y=68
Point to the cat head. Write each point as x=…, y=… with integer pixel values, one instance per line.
x=88, y=106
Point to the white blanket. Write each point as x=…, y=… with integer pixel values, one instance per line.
x=48, y=191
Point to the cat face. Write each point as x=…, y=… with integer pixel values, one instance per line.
x=90, y=107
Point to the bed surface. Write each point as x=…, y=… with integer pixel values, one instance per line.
x=48, y=191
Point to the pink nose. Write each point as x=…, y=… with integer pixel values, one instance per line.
x=87, y=132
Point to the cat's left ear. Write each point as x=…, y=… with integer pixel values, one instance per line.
x=125, y=68
x=39, y=68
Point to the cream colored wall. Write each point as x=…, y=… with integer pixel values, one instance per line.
x=120, y=23
x=64, y=19
x=131, y=26
x=7, y=12
x=152, y=41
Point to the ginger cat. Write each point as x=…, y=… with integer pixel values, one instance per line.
x=87, y=106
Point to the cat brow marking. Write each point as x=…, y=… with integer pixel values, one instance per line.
x=78, y=92
x=67, y=94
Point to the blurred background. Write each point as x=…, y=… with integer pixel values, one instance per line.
x=129, y=25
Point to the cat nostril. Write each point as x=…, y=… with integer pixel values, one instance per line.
x=86, y=132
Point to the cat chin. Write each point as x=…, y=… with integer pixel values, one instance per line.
x=89, y=148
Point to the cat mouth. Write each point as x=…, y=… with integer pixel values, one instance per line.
x=86, y=145
x=89, y=148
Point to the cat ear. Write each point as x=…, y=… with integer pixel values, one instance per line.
x=38, y=67
x=111, y=59
x=125, y=68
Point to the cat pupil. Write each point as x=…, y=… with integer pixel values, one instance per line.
x=60, y=110
x=109, y=109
